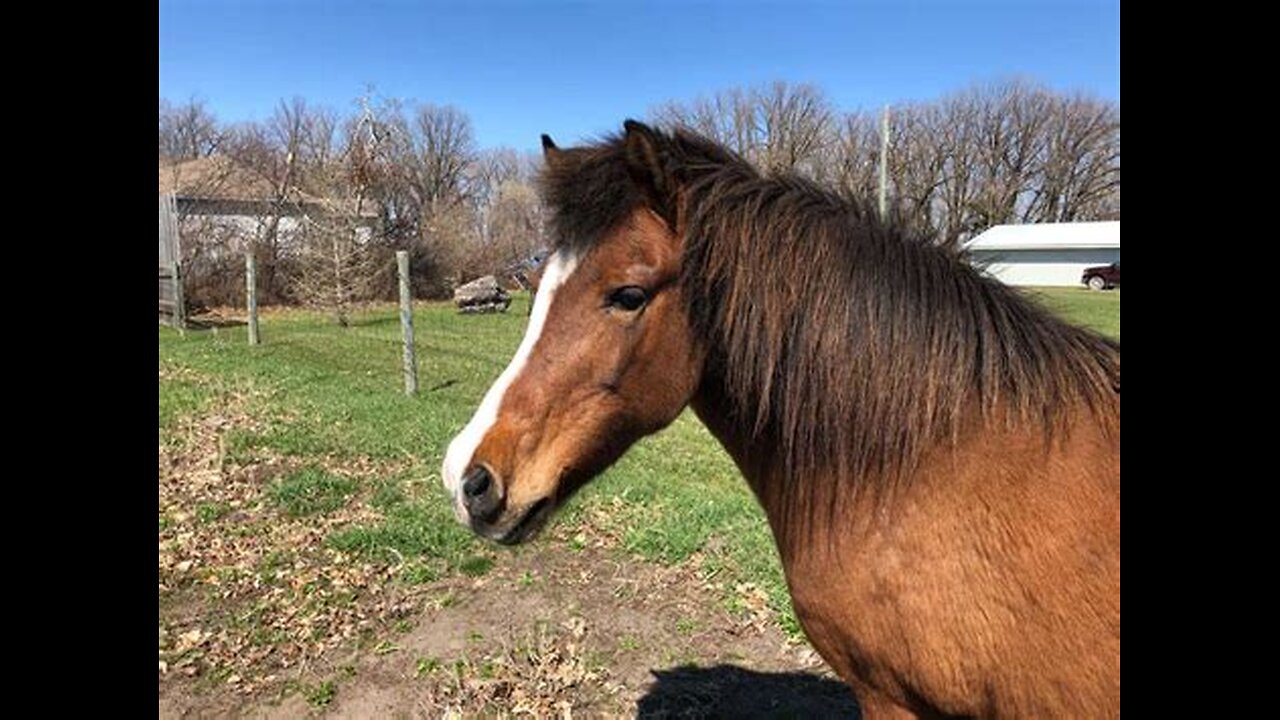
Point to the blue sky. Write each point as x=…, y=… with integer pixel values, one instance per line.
x=576, y=70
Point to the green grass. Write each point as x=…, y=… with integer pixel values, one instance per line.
x=181, y=396
x=310, y=491
x=1091, y=308
x=327, y=393
x=321, y=695
x=410, y=530
x=211, y=512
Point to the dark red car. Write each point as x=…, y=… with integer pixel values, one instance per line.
x=1102, y=277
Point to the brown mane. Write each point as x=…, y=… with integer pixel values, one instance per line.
x=849, y=343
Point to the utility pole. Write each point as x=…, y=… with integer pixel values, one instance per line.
x=884, y=163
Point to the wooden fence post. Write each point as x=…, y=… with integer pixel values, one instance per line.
x=406, y=324
x=179, y=300
x=251, y=293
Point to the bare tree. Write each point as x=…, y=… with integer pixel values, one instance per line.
x=728, y=117
x=959, y=145
x=339, y=263
x=492, y=168
x=797, y=122
x=342, y=259
x=509, y=214
x=443, y=149
x=918, y=164
x=271, y=150
x=1081, y=173
x=1004, y=152
x=516, y=227
x=779, y=127
x=487, y=175
x=995, y=153
x=853, y=168
x=187, y=131
x=1007, y=124
x=431, y=152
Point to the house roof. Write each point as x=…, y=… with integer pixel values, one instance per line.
x=218, y=177
x=1049, y=236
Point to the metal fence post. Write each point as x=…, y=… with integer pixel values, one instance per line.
x=406, y=324
x=251, y=293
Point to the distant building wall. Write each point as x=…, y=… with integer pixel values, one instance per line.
x=1061, y=267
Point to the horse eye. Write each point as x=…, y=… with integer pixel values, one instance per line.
x=629, y=298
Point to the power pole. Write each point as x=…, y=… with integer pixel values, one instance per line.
x=884, y=163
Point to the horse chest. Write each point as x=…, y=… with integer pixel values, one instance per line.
x=945, y=610
x=875, y=630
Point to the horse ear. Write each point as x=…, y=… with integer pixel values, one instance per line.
x=646, y=161
x=549, y=150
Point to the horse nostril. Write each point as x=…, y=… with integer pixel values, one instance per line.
x=481, y=495
x=477, y=481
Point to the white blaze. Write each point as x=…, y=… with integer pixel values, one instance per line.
x=463, y=447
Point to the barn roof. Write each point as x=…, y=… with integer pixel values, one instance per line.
x=215, y=177
x=218, y=177
x=1049, y=236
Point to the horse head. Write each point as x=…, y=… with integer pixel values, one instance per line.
x=608, y=355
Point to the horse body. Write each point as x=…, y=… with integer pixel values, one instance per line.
x=937, y=458
x=973, y=593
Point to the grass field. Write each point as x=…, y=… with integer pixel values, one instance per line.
x=339, y=455
x=333, y=393
x=1090, y=308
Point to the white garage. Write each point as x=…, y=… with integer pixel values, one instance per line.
x=1045, y=254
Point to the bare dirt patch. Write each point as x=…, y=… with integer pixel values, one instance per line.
x=557, y=633
x=259, y=617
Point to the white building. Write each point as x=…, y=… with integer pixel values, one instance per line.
x=225, y=206
x=1045, y=254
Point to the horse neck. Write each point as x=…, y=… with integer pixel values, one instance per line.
x=759, y=462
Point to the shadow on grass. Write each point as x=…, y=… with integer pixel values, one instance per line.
x=369, y=321
x=208, y=322
x=726, y=691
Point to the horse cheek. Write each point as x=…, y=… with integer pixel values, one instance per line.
x=670, y=375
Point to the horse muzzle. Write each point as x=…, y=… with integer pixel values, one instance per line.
x=484, y=509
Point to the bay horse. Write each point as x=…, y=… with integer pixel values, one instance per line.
x=938, y=457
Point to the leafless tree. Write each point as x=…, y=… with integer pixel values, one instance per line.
x=918, y=164
x=430, y=151
x=853, y=168
x=441, y=149
x=797, y=122
x=996, y=153
x=780, y=127
x=1081, y=172
x=272, y=151
x=1001, y=152
x=728, y=117
x=187, y=131
x=492, y=168
x=509, y=212
x=1006, y=133
x=342, y=257
x=516, y=228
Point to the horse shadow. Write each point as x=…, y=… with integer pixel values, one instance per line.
x=727, y=691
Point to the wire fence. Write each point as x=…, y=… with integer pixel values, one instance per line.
x=394, y=342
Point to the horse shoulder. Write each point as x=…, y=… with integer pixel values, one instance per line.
x=989, y=586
